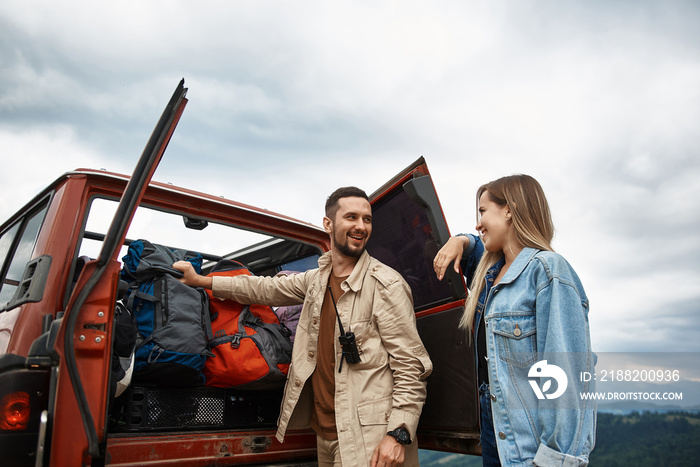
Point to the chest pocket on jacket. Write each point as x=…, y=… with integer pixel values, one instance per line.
x=516, y=339
x=372, y=353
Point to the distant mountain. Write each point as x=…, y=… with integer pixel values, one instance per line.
x=670, y=439
x=641, y=439
x=625, y=407
x=447, y=459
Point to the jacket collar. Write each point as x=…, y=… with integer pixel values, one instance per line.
x=521, y=261
x=356, y=276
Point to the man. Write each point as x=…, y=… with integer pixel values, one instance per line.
x=364, y=413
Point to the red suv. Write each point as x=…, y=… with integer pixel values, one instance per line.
x=59, y=275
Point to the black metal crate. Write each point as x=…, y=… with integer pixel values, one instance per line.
x=151, y=409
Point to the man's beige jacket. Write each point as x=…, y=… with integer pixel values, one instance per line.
x=386, y=389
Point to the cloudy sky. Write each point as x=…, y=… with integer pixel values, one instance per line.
x=598, y=100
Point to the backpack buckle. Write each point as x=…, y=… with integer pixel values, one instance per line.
x=236, y=340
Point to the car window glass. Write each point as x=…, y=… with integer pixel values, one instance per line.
x=21, y=255
x=6, y=242
x=166, y=229
x=214, y=241
x=304, y=264
x=402, y=238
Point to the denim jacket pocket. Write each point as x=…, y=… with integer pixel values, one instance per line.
x=516, y=339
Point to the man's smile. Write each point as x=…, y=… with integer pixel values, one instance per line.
x=357, y=237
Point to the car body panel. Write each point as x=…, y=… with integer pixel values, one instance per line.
x=450, y=418
x=72, y=321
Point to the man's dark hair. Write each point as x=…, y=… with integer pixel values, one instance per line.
x=344, y=192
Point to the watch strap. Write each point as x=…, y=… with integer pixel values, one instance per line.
x=401, y=435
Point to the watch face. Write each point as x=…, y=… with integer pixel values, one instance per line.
x=401, y=435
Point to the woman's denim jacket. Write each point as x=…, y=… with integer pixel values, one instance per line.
x=537, y=317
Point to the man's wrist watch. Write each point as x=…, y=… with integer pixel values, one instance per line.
x=401, y=435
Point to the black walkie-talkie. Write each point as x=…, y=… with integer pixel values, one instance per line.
x=346, y=339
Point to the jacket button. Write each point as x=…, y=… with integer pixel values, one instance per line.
x=516, y=331
x=493, y=397
x=314, y=321
x=297, y=383
x=386, y=417
x=311, y=355
x=501, y=435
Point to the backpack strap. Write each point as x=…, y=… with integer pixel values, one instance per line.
x=135, y=293
x=206, y=321
x=234, y=339
x=158, y=316
x=160, y=302
x=281, y=343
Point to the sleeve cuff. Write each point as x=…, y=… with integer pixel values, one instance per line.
x=547, y=456
x=399, y=418
x=472, y=244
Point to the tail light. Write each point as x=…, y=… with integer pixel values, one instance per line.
x=15, y=410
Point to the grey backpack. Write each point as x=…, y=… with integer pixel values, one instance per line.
x=172, y=318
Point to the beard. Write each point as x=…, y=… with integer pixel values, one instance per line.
x=344, y=247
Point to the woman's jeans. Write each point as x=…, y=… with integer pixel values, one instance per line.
x=489, y=451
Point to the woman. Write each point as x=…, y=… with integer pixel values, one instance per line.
x=528, y=312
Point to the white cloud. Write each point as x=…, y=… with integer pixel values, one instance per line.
x=34, y=158
x=288, y=101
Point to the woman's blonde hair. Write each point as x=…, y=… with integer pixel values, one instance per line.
x=532, y=226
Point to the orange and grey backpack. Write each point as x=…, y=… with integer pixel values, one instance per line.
x=252, y=350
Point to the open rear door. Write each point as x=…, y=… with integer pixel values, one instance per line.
x=408, y=229
x=77, y=416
